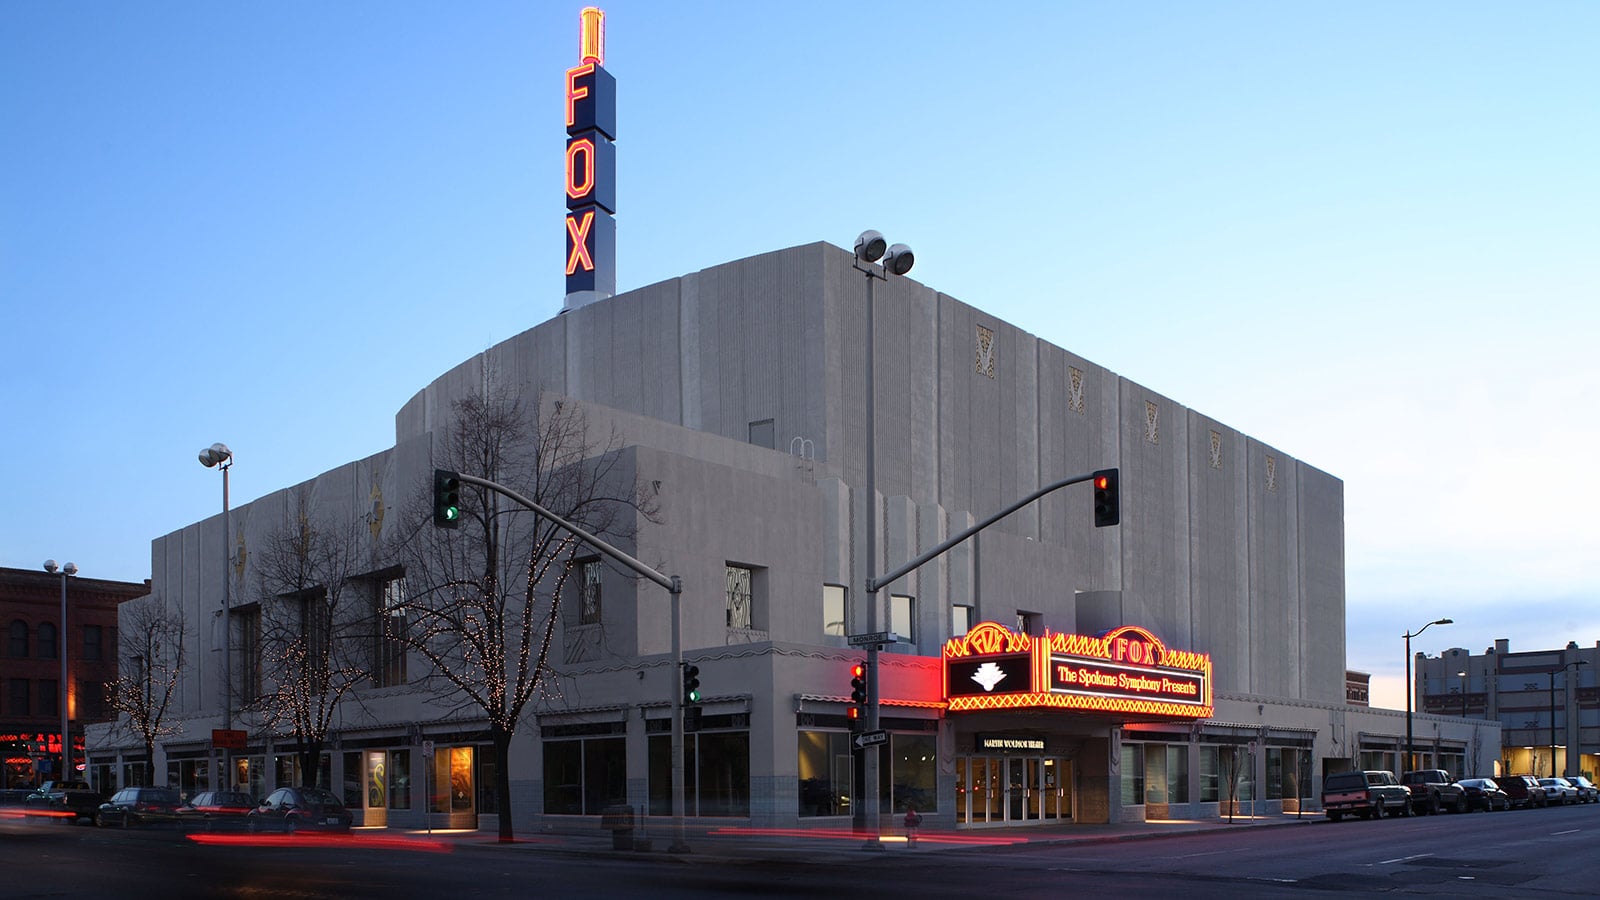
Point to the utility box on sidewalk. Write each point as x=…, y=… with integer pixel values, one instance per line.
x=619, y=821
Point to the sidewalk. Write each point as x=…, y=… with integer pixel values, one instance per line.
x=730, y=843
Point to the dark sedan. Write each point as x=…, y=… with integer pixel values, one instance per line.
x=216, y=810
x=293, y=809
x=138, y=806
x=1587, y=792
x=1484, y=794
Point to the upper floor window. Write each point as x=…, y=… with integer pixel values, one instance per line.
x=589, y=571
x=740, y=597
x=19, y=704
x=903, y=617
x=1029, y=622
x=389, y=632
x=834, y=621
x=960, y=620
x=47, y=640
x=92, y=637
x=17, y=646
x=247, y=637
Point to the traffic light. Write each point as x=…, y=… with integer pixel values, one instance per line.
x=691, y=684
x=446, y=499
x=1107, y=509
x=858, y=690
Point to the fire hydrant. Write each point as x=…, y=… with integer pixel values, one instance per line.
x=913, y=821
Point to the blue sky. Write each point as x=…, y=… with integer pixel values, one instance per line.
x=1362, y=232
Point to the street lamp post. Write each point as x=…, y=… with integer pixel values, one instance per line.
x=1410, y=760
x=1463, y=677
x=897, y=260
x=218, y=455
x=67, y=571
x=1552, y=674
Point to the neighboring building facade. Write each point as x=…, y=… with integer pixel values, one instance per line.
x=1547, y=702
x=30, y=667
x=739, y=393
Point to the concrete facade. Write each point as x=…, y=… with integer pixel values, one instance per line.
x=739, y=392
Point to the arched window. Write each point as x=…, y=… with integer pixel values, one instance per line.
x=47, y=640
x=18, y=645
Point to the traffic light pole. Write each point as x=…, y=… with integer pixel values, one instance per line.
x=674, y=586
x=874, y=583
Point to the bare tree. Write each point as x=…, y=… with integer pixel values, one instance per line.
x=484, y=598
x=316, y=626
x=150, y=663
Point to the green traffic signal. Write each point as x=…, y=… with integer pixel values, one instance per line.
x=446, y=498
x=691, y=684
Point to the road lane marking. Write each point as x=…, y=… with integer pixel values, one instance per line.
x=1568, y=831
x=1402, y=859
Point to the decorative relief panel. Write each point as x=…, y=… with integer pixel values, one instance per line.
x=1216, y=449
x=1075, y=390
x=1152, y=422
x=985, y=354
x=1272, y=473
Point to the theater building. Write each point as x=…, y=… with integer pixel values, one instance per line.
x=1184, y=661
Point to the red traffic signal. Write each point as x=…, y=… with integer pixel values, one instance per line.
x=858, y=688
x=1107, y=507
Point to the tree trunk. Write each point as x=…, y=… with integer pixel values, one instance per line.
x=502, y=777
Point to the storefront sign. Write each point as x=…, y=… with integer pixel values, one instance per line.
x=1009, y=743
x=1125, y=671
x=591, y=165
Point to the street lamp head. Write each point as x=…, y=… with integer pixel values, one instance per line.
x=215, y=454
x=1444, y=621
x=899, y=260
x=50, y=566
x=70, y=569
x=870, y=246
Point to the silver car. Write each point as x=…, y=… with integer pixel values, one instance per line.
x=1559, y=791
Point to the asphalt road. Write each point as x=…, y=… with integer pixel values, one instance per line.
x=1532, y=853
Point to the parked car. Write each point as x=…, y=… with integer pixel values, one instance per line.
x=1525, y=791
x=71, y=800
x=138, y=806
x=216, y=810
x=1433, y=790
x=1559, y=791
x=293, y=809
x=1587, y=792
x=1484, y=794
x=1366, y=794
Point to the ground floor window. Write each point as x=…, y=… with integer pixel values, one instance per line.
x=1166, y=773
x=826, y=763
x=585, y=775
x=452, y=780
x=189, y=776
x=914, y=762
x=1132, y=774
x=290, y=773
x=716, y=773
x=488, y=800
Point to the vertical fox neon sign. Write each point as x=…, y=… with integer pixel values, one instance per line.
x=591, y=167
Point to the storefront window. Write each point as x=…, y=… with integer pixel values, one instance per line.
x=583, y=777
x=1276, y=772
x=352, y=780
x=716, y=772
x=400, y=779
x=826, y=773
x=488, y=801
x=1237, y=772
x=1177, y=773
x=1209, y=782
x=915, y=763
x=1132, y=774
x=1155, y=773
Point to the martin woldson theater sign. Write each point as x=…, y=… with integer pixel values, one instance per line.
x=1127, y=671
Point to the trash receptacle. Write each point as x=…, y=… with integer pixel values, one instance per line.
x=619, y=821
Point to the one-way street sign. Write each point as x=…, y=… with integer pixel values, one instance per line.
x=868, y=738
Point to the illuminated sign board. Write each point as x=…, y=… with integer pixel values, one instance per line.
x=591, y=177
x=1126, y=671
x=1008, y=743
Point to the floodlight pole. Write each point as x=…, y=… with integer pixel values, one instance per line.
x=674, y=586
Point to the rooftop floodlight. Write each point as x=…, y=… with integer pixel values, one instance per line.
x=899, y=260
x=870, y=246
x=215, y=454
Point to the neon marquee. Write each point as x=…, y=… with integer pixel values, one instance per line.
x=1127, y=670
